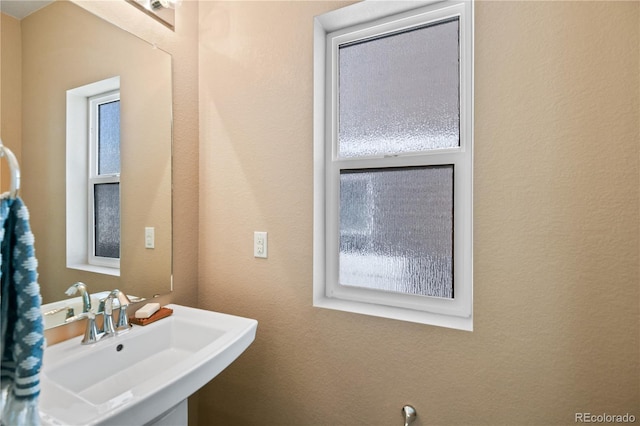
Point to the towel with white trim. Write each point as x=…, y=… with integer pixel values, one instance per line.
x=22, y=340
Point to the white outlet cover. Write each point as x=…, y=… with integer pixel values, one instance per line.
x=260, y=244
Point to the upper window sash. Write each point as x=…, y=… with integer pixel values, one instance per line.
x=428, y=15
x=94, y=132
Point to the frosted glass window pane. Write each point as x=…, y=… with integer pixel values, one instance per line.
x=107, y=220
x=396, y=230
x=109, y=138
x=400, y=93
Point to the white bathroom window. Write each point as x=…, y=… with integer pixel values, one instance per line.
x=393, y=155
x=103, y=207
x=93, y=177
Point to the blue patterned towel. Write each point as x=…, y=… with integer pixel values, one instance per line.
x=22, y=341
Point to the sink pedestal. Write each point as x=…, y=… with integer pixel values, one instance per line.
x=177, y=416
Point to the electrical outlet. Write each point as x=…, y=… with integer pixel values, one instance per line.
x=149, y=237
x=260, y=244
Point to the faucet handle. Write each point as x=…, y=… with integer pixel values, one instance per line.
x=70, y=313
x=122, y=324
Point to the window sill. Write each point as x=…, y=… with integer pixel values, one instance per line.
x=96, y=269
x=420, y=317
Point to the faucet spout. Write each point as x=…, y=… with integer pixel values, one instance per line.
x=110, y=328
x=84, y=294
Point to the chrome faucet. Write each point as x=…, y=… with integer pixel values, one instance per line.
x=84, y=293
x=92, y=334
x=122, y=324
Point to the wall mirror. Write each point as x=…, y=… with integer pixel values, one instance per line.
x=64, y=47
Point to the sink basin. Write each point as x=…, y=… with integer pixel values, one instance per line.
x=135, y=377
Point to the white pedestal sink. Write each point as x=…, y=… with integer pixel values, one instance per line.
x=133, y=378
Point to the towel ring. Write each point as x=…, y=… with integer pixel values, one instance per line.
x=15, y=170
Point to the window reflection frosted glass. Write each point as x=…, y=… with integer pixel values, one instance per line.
x=396, y=230
x=400, y=93
x=107, y=220
x=109, y=138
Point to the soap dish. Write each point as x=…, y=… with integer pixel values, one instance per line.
x=161, y=313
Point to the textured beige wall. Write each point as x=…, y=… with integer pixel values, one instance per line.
x=10, y=93
x=556, y=229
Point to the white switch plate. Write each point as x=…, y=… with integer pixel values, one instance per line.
x=260, y=244
x=149, y=237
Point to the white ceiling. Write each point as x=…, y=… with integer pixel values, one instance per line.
x=21, y=8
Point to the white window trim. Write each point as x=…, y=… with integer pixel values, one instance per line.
x=77, y=174
x=354, y=22
x=95, y=178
